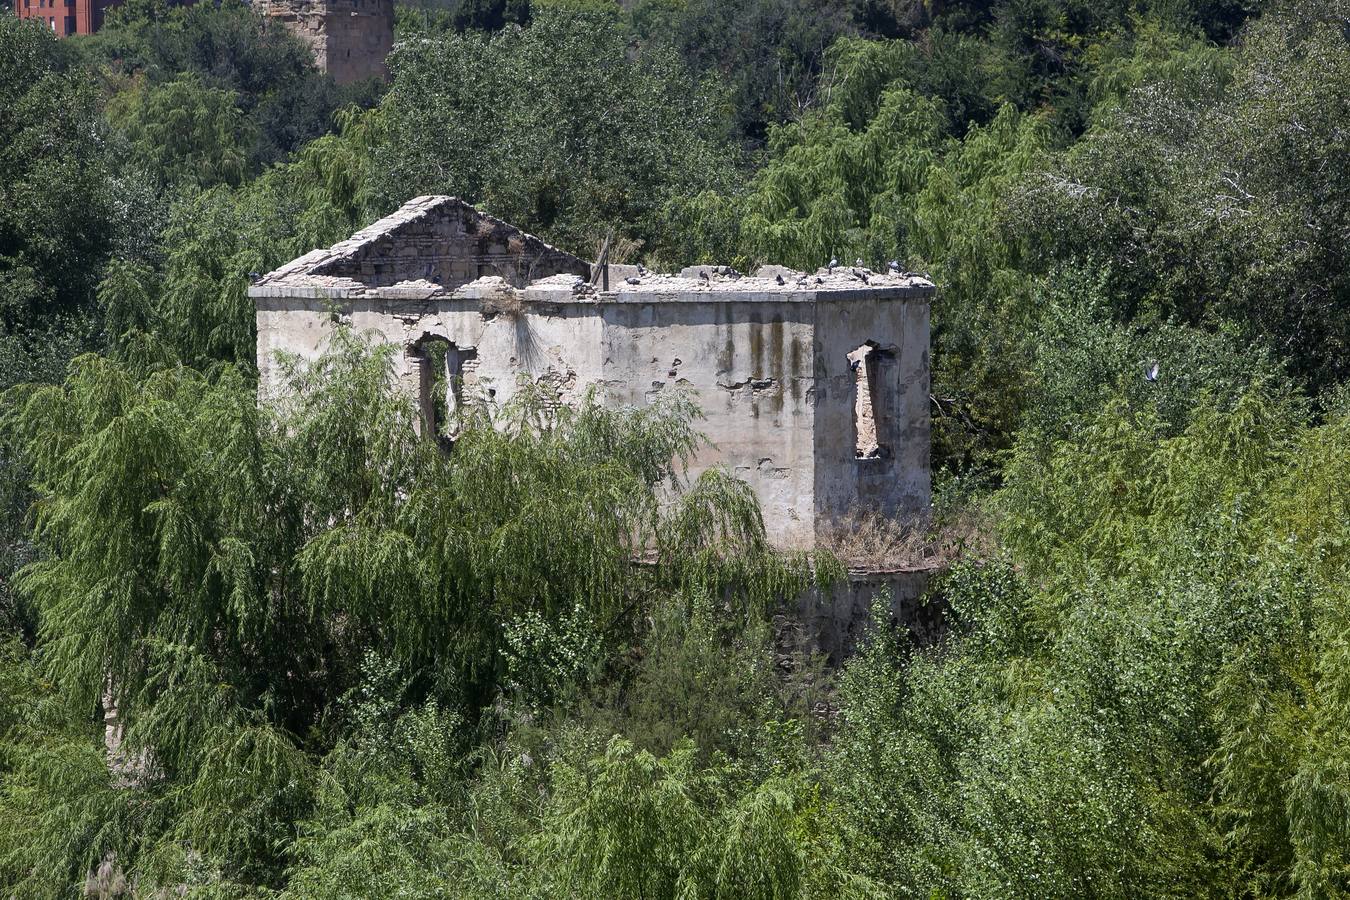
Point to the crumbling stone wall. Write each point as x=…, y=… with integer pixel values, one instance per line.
x=836, y=619
x=772, y=360
x=349, y=38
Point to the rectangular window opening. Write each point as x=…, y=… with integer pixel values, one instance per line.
x=869, y=402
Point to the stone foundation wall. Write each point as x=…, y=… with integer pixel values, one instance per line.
x=834, y=622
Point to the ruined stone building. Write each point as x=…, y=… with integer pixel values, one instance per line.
x=815, y=386
x=349, y=38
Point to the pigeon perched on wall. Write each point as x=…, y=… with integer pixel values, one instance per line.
x=858, y=262
x=894, y=267
x=703, y=275
x=632, y=279
x=834, y=261
x=779, y=279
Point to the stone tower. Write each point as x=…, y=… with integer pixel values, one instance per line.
x=349, y=38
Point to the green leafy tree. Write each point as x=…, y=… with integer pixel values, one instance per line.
x=1208, y=199
x=631, y=824
x=553, y=127
x=283, y=100
x=185, y=132
x=219, y=571
x=769, y=53
x=1142, y=705
x=58, y=215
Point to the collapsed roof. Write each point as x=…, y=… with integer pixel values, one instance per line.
x=441, y=247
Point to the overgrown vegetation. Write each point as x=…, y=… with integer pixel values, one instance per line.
x=344, y=663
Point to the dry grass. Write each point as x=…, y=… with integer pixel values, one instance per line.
x=867, y=540
x=508, y=302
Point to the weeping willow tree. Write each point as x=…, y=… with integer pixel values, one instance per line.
x=841, y=182
x=220, y=572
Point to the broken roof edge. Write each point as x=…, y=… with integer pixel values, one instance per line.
x=310, y=264
x=313, y=274
x=561, y=289
x=781, y=284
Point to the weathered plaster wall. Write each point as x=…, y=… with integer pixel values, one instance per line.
x=767, y=357
x=896, y=482
x=749, y=365
x=559, y=343
x=770, y=370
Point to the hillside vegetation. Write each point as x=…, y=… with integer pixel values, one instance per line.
x=345, y=664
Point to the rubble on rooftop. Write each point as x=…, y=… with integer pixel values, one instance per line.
x=441, y=247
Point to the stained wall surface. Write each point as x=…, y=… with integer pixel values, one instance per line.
x=749, y=366
x=896, y=481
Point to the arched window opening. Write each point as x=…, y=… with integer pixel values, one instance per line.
x=438, y=372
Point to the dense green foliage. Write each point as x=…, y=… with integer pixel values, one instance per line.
x=345, y=663
x=243, y=567
x=57, y=211
x=553, y=128
x=163, y=59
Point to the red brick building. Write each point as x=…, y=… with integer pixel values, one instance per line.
x=66, y=17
